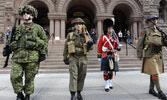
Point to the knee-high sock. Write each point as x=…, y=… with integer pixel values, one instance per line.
x=110, y=77
x=106, y=81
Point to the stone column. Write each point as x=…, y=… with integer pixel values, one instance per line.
x=99, y=28
x=165, y=14
x=51, y=26
x=57, y=30
x=63, y=29
x=134, y=32
x=140, y=29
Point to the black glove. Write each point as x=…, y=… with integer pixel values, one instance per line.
x=165, y=42
x=66, y=62
x=119, y=49
x=42, y=57
x=89, y=44
x=6, y=51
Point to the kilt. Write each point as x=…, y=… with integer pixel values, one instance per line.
x=105, y=65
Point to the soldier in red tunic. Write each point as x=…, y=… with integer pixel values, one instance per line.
x=106, y=52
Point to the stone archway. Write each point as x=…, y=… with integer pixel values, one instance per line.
x=132, y=4
x=42, y=13
x=122, y=13
x=64, y=4
x=127, y=16
x=49, y=3
x=84, y=9
x=99, y=7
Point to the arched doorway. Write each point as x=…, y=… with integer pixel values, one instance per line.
x=84, y=9
x=162, y=11
x=42, y=18
x=122, y=13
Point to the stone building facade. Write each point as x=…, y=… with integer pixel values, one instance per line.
x=56, y=15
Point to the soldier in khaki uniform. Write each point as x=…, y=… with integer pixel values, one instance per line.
x=76, y=47
x=29, y=47
x=149, y=48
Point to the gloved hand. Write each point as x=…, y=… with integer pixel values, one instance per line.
x=89, y=44
x=42, y=57
x=6, y=51
x=66, y=62
x=119, y=49
x=99, y=59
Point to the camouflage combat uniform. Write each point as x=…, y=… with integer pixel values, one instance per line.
x=28, y=43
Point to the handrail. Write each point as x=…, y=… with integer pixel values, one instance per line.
x=127, y=47
x=132, y=46
x=52, y=35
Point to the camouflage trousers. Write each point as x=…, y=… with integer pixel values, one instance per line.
x=29, y=70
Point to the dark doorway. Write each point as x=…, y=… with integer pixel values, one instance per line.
x=122, y=14
x=120, y=21
x=81, y=12
x=42, y=18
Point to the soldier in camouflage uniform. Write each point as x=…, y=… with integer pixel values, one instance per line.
x=76, y=47
x=150, y=50
x=29, y=47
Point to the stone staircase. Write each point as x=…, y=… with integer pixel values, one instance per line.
x=54, y=62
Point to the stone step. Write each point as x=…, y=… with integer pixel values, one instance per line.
x=54, y=62
x=67, y=71
x=63, y=66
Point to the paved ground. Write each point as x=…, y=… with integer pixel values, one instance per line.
x=127, y=86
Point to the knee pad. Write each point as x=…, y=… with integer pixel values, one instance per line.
x=110, y=76
x=154, y=78
x=105, y=77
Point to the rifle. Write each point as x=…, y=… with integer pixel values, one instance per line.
x=85, y=35
x=10, y=40
x=118, y=43
x=158, y=28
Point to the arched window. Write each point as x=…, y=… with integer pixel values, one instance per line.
x=162, y=11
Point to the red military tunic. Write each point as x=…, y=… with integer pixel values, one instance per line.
x=103, y=42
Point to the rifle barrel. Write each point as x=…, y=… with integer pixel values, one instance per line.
x=10, y=40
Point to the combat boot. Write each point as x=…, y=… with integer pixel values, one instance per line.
x=27, y=97
x=79, y=96
x=20, y=96
x=162, y=96
x=73, y=96
x=152, y=92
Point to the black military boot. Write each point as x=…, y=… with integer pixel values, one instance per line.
x=162, y=96
x=79, y=96
x=27, y=97
x=73, y=96
x=20, y=96
x=152, y=92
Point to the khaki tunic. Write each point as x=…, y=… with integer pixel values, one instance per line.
x=152, y=60
x=153, y=65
